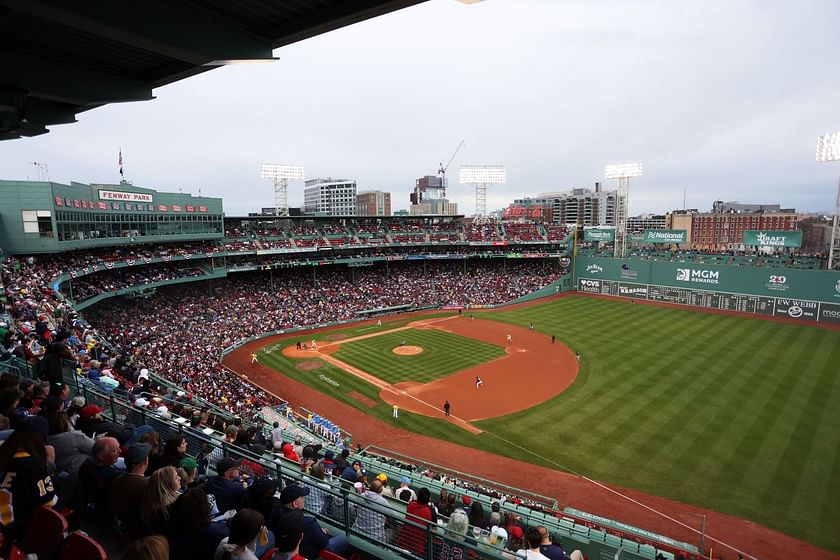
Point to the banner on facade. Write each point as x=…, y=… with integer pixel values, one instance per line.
x=599, y=234
x=677, y=236
x=768, y=238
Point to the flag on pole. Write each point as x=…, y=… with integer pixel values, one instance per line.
x=121, y=165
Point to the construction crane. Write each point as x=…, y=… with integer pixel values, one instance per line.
x=442, y=169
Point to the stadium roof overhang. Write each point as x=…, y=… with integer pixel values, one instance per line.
x=61, y=57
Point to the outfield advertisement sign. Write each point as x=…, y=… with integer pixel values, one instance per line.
x=808, y=295
x=768, y=238
x=674, y=236
x=606, y=235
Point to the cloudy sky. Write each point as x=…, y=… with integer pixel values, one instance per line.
x=720, y=98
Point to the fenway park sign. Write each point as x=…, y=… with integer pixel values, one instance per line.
x=121, y=196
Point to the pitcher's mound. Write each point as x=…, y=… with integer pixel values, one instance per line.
x=407, y=350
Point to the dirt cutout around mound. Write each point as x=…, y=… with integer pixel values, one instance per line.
x=368, y=402
x=407, y=350
x=309, y=365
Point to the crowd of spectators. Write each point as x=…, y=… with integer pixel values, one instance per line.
x=92, y=285
x=516, y=231
x=482, y=232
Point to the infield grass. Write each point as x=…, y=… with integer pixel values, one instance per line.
x=728, y=413
x=443, y=354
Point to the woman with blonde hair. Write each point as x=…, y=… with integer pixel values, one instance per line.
x=161, y=492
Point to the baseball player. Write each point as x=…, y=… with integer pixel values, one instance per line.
x=509, y=338
x=254, y=359
x=478, y=382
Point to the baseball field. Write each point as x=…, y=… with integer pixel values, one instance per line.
x=728, y=413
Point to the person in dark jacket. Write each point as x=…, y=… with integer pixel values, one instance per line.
x=226, y=486
x=315, y=538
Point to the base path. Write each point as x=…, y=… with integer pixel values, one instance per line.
x=569, y=490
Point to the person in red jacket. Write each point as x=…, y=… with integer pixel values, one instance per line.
x=418, y=511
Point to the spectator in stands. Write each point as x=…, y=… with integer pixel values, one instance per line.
x=457, y=529
x=91, y=423
x=548, y=549
x=476, y=514
x=72, y=448
x=370, y=520
x=154, y=547
x=387, y=491
x=226, y=486
x=191, y=532
x=352, y=473
x=98, y=473
x=188, y=471
x=320, y=501
x=260, y=495
x=245, y=528
x=405, y=483
x=174, y=451
x=159, y=495
x=418, y=512
x=342, y=461
x=25, y=474
x=315, y=538
x=516, y=538
x=532, y=540
x=128, y=489
x=289, y=535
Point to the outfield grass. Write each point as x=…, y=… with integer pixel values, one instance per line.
x=729, y=413
x=443, y=354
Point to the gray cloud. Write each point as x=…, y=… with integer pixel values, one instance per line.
x=724, y=99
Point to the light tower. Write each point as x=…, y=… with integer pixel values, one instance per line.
x=280, y=175
x=623, y=172
x=828, y=149
x=481, y=177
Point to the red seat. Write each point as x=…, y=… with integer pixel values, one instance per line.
x=16, y=553
x=80, y=546
x=45, y=532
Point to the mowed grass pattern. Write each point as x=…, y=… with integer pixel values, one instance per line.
x=730, y=413
x=443, y=354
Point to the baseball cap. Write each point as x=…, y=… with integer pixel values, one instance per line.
x=466, y=500
x=78, y=401
x=225, y=464
x=137, y=453
x=89, y=410
x=141, y=402
x=382, y=476
x=516, y=532
x=143, y=373
x=405, y=480
x=263, y=485
x=188, y=464
x=292, y=492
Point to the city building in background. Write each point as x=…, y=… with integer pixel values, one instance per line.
x=638, y=224
x=429, y=198
x=530, y=210
x=373, y=203
x=721, y=207
x=330, y=197
x=587, y=207
x=816, y=234
x=725, y=231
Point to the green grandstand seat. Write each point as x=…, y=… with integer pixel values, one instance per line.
x=612, y=540
x=566, y=525
x=647, y=551
x=597, y=535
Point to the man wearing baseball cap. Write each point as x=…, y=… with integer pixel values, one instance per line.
x=91, y=423
x=315, y=538
x=227, y=486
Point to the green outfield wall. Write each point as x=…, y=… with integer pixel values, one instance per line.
x=812, y=295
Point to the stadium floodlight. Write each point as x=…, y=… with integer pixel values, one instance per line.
x=828, y=149
x=623, y=172
x=281, y=175
x=481, y=177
